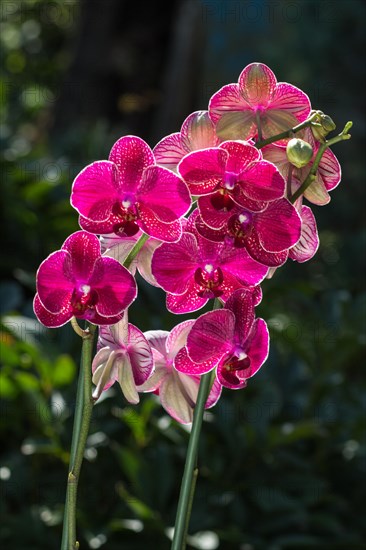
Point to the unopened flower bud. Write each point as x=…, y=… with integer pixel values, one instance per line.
x=323, y=125
x=299, y=152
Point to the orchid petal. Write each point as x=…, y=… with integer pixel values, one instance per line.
x=258, y=348
x=279, y=226
x=241, y=304
x=211, y=336
x=262, y=182
x=48, y=319
x=184, y=364
x=257, y=84
x=132, y=155
x=126, y=378
x=115, y=285
x=140, y=354
x=84, y=250
x=198, y=131
x=309, y=240
x=151, y=225
x=55, y=282
x=170, y=151
x=177, y=338
x=203, y=170
x=95, y=190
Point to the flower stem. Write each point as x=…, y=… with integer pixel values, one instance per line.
x=344, y=135
x=83, y=412
x=136, y=249
x=288, y=133
x=188, y=480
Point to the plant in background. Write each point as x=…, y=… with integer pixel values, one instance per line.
x=241, y=171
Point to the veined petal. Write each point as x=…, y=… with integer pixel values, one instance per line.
x=316, y=193
x=257, y=252
x=84, y=249
x=173, y=264
x=140, y=353
x=257, y=84
x=176, y=400
x=238, y=263
x=214, y=394
x=279, y=226
x=241, y=155
x=291, y=99
x=178, y=337
x=258, y=348
x=211, y=336
x=104, y=371
x=117, y=335
x=233, y=116
x=198, y=131
x=309, y=240
x=132, y=155
x=126, y=378
x=164, y=193
x=115, y=285
x=216, y=235
x=153, y=226
x=186, y=302
x=95, y=190
x=154, y=381
x=157, y=340
x=98, y=228
x=170, y=151
x=203, y=170
x=55, y=282
x=185, y=365
x=262, y=182
x=329, y=170
x=241, y=304
x=48, y=319
x=215, y=219
x=144, y=258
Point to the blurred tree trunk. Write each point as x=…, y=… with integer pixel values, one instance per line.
x=133, y=66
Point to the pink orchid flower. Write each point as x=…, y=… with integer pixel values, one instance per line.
x=230, y=340
x=267, y=235
x=130, y=192
x=197, y=132
x=124, y=356
x=195, y=270
x=233, y=173
x=236, y=109
x=327, y=178
x=78, y=281
x=177, y=391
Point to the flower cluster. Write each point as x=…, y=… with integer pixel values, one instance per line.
x=206, y=215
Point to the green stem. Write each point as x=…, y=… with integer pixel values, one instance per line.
x=83, y=412
x=287, y=133
x=186, y=496
x=344, y=135
x=136, y=249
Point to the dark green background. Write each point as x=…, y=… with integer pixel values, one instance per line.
x=282, y=463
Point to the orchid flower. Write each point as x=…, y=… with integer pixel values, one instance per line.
x=258, y=100
x=230, y=340
x=130, y=192
x=78, y=281
x=124, y=356
x=177, y=391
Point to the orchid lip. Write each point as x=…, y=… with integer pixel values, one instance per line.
x=230, y=181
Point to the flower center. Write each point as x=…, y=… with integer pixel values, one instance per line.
x=237, y=361
x=83, y=299
x=239, y=227
x=221, y=200
x=126, y=212
x=209, y=279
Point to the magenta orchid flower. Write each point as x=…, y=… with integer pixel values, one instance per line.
x=258, y=98
x=77, y=281
x=267, y=235
x=230, y=340
x=197, y=132
x=327, y=178
x=195, y=270
x=130, y=192
x=308, y=243
x=124, y=356
x=177, y=391
x=233, y=173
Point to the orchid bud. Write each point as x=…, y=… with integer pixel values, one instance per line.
x=323, y=125
x=299, y=152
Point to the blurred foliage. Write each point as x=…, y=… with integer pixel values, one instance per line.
x=282, y=463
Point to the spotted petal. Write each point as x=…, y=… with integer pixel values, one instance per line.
x=211, y=336
x=84, y=249
x=203, y=170
x=55, y=282
x=131, y=155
